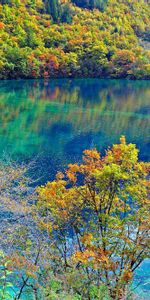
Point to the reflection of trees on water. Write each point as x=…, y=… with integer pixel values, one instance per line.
x=59, y=115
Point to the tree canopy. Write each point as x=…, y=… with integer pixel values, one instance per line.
x=61, y=38
x=80, y=236
x=105, y=216
x=91, y=4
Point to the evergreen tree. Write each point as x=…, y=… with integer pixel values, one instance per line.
x=52, y=7
x=91, y=4
x=66, y=15
x=5, y=1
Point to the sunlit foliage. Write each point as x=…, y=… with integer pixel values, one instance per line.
x=81, y=236
x=59, y=39
x=99, y=211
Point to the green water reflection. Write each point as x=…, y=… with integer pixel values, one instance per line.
x=60, y=118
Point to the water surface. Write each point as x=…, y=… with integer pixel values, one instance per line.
x=57, y=119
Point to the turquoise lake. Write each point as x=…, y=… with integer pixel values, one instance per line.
x=54, y=121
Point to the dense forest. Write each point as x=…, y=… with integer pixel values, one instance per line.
x=74, y=38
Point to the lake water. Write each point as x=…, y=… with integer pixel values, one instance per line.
x=56, y=120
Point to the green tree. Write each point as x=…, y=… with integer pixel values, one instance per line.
x=91, y=4
x=52, y=7
x=66, y=15
x=5, y=1
x=102, y=224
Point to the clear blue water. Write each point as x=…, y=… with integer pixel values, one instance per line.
x=56, y=120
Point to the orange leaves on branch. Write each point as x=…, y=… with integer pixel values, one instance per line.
x=2, y=25
x=91, y=155
x=123, y=140
x=73, y=168
x=46, y=226
x=127, y=276
x=57, y=199
x=71, y=172
x=91, y=160
x=124, y=57
x=71, y=176
x=91, y=255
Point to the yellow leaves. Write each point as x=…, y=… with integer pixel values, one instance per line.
x=119, y=166
x=109, y=203
x=71, y=172
x=123, y=154
x=139, y=192
x=117, y=154
x=52, y=189
x=87, y=239
x=92, y=256
x=73, y=168
x=71, y=176
x=48, y=226
x=81, y=257
x=91, y=162
x=58, y=200
x=91, y=154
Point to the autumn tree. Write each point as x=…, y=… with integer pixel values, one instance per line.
x=79, y=29
x=80, y=236
x=123, y=62
x=98, y=215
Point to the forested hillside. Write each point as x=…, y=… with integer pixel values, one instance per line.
x=78, y=38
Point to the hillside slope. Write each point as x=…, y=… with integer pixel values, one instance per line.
x=65, y=40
